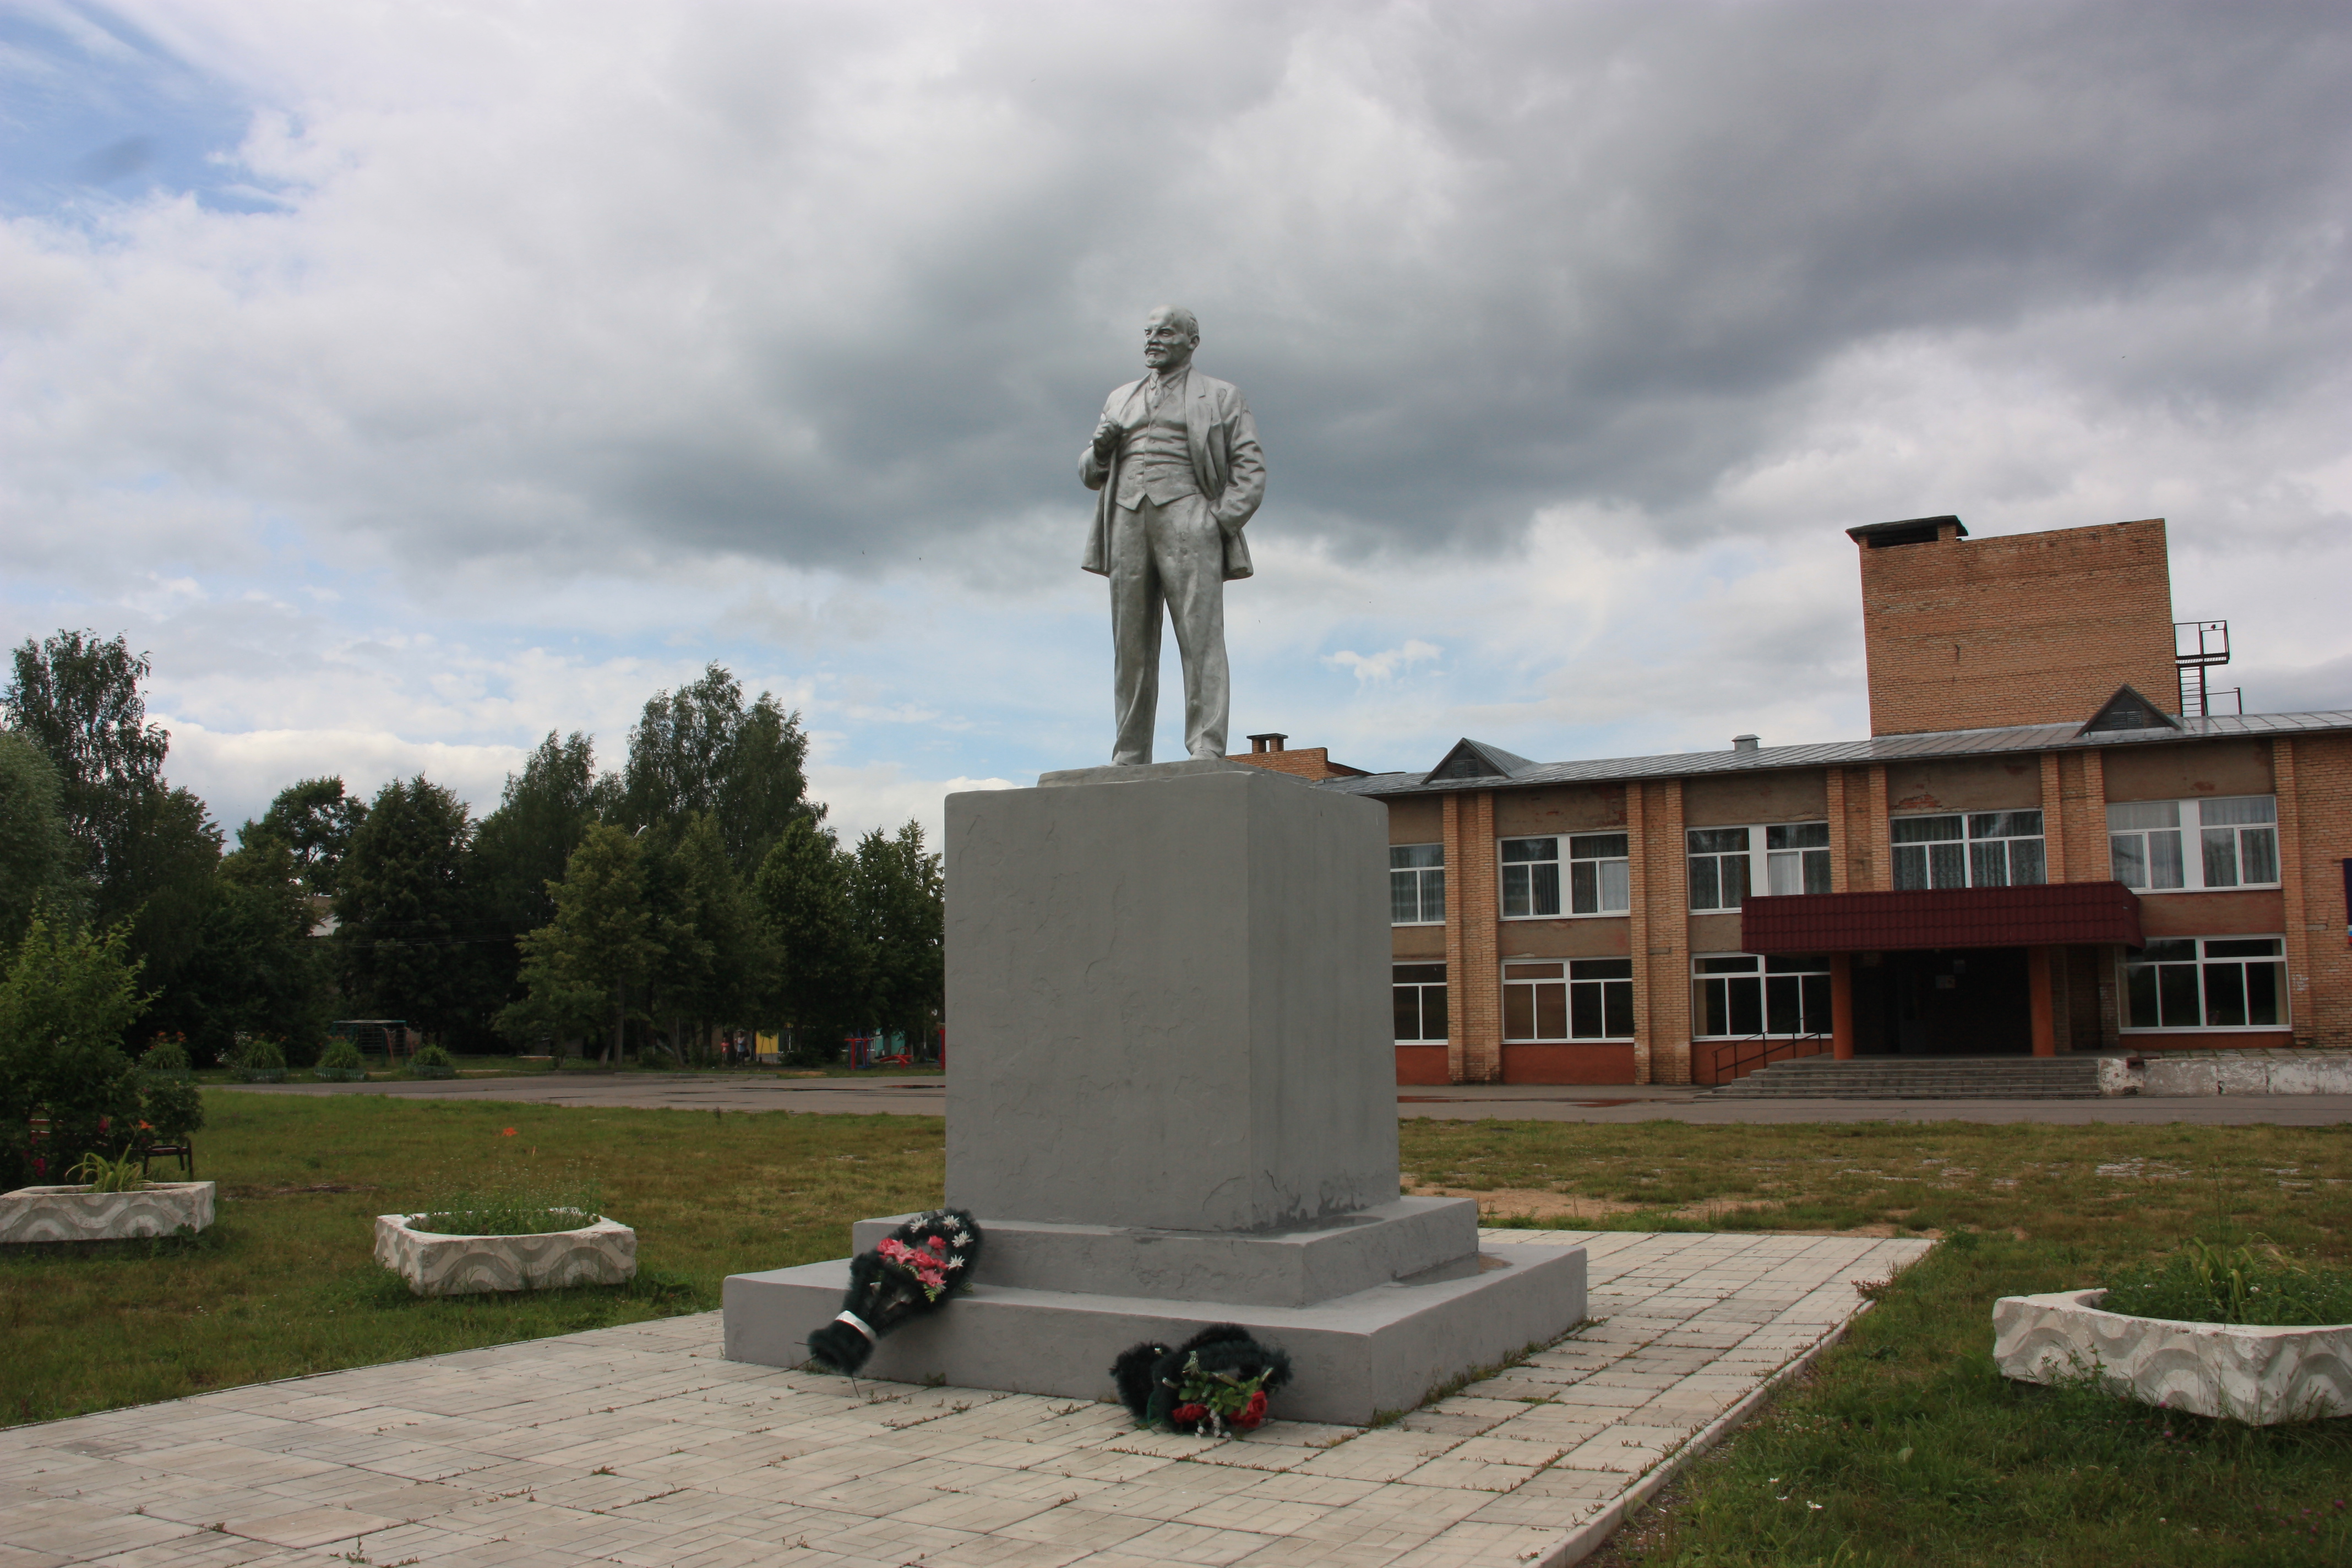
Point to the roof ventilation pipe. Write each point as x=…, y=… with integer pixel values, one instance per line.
x=1746, y=743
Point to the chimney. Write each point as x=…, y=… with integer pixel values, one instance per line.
x=1746, y=743
x=1269, y=742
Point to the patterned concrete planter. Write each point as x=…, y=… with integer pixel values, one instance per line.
x=261, y=1075
x=602, y=1253
x=339, y=1075
x=76, y=1214
x=2261, y=1376
x=431, y=1070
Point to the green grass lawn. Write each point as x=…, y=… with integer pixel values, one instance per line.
x=284, y=1283
x=1903, y=1445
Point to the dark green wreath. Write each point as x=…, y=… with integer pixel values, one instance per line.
x=1216, y=1383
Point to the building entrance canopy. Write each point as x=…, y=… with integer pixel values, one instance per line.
x=2058, y=915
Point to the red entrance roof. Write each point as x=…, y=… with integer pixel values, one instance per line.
x=1952, y=917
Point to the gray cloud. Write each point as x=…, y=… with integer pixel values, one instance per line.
x=833, y=288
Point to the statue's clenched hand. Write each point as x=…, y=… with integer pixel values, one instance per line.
x=1107, y=438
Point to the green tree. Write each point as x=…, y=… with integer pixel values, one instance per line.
x=900, y=895
x=601, y=943
x=804, y=888
x=161, y=889
x=718, y=958
x=315, y=820
x=77, y=697
x=34, y=853
x=523, y=848
x=410, y=924
x=521, y=851
x=700, y=749
x=64, y=1003
x=254, y=968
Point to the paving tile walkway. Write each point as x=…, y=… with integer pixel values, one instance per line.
x=641, y=1446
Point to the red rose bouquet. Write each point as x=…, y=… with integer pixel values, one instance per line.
x=1215, y=1383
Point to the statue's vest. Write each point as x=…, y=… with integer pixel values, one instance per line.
x=1156, y=463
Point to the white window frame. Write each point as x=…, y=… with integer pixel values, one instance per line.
x=1591, y=987
x=1421, y=987
x=2137, y=831
x=1767, y=863
x=1417, y=875
x=1725, y=970
x=1610, y=876
x=2209, y=966
x=1984, y=839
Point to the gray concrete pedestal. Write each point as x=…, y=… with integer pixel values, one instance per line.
x=1172, y=1101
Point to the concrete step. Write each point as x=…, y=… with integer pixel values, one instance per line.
x=1927, y=1078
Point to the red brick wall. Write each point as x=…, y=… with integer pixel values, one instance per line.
x=1473, y=975
x=1303, y=761
x=2315, y=791
x=1661, y=932
x=2028, y=629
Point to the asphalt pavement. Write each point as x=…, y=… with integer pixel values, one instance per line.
x=927, y=1096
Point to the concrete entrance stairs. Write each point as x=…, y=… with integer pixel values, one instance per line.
x=1923, y=1078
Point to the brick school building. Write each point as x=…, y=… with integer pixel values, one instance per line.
x=2035, y=852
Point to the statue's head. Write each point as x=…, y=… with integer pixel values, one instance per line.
x=1170, y=333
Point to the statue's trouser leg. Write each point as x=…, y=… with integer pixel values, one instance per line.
x=1190, y=550
x=1135, y=602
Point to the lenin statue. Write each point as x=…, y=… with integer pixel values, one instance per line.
x=1176, y=464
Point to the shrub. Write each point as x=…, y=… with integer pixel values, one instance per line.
x=341, y=1055
x=172, y=1107
x=65, y=1002
x=431, y=1056
x=165, y=1055
x=2203, y=1283
x=259, y=1053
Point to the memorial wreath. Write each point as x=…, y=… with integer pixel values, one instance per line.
x=1213, y=1384
x=917, y=1268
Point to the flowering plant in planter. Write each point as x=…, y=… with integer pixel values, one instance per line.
x=917, y=1268
x=1213, y=1384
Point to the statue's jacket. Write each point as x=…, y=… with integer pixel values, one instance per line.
x=1226, y=464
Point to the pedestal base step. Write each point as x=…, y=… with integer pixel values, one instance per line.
x=1353, y=1357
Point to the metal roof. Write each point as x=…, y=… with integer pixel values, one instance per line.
x=2066, y=737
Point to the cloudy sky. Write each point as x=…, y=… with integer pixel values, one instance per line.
x=413, y=379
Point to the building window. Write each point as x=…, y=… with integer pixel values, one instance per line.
x=1719, y=860
x=1599, y=879
x=2235, y=843
x=1420, y=994
x=2207, y=983
x=1978, y=849
x=1575, y=999
x=1417, y=884
x=1724, y=862
x=1742, y=996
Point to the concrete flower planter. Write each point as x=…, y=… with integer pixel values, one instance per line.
x=2260, y=1376
x=339, y=1075
x=76, y=1214
x=600, y=1253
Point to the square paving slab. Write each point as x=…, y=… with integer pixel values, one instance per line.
x=644, y=1446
